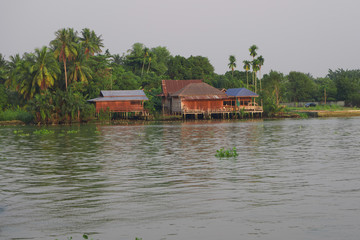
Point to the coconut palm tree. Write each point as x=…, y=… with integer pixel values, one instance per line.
x=79, y=69
x=247, y=68
x=45, y=68
x=146, y=54
x=150, y=57
x=91, y=42
x=65, y=47
x=232, y=64
x=261, y=63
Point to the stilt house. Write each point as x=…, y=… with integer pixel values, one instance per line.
x=121, y=101
x=242, y=98
x=169, y=87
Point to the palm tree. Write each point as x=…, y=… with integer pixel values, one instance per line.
x=255, y=67
x=65, y=47
x=79, y=69
x=261, y=63
x=24, y=76
x=45, y=68
x=146, y=54
x=12, y=78
x=252, y=51
x=91, y=42
x=232, y=64
x=247, y=68
x=148, y=68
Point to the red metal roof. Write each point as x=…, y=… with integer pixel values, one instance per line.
x=171, y=86
x=201, y=90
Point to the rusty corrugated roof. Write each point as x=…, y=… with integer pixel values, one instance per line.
x=171, y=86
x=199, y=91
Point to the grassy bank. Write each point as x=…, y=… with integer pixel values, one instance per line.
x=325, y=111
x=15, y=116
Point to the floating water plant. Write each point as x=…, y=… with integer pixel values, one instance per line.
x=43, y=132
x=72, y=131
x=226, y=153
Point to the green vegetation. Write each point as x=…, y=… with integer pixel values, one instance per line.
x=53, y=83
x=226, y=153
x=72, y=131
x=17, y=114
x=43, y=132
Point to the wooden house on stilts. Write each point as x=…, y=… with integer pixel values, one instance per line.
x=121, y=101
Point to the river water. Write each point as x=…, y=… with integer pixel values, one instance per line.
x=293, y=179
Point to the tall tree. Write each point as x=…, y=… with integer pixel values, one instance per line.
x=91, y=42
x=79, y=69
x=232, y=64
x=255, y=68
x=253, y=50
x=45, y=68
x=247, y=68
x=65, y=47
x=261, y=61
x=146, y=54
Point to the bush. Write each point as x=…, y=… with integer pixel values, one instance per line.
x=18, y=114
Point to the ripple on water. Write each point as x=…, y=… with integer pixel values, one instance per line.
x=293, y=179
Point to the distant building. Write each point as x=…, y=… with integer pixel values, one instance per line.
x=121, y=101
x=196, y=97
x=170, y=87
x=242, y=98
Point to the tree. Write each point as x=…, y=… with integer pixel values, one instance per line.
x=65, y=47
x=91, y=42
x=46, y=69
x=247, y=68
x=255, y=67
x=301, y=87
x=146, y=54
x=232, y=63
x=252, y=51
x=79, y=69
x=260, y=64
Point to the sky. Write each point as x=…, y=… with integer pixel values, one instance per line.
x=310, y=36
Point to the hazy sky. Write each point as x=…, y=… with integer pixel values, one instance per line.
x=310, y=36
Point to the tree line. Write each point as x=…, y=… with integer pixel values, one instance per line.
x=53, y=83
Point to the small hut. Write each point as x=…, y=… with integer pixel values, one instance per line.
x=242, y=98
x=120, y=101
x=198, y=98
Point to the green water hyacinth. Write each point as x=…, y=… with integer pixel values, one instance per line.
x=43, y=132
x=226, y=153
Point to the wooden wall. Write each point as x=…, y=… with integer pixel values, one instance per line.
x=120, y=106
x=203, y=105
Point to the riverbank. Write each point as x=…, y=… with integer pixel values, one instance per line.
x=328, y=113
x=290, y=114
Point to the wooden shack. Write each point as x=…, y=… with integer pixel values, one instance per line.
x=169, y=87
x=242, y=99
x=120, y=101
x=198, y=98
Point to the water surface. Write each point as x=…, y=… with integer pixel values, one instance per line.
x=293, y=179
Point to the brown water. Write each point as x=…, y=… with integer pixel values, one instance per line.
x=293, y=179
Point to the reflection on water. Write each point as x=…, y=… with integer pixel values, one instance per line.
x=293, y=179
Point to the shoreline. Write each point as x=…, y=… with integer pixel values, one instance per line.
x=293, y=114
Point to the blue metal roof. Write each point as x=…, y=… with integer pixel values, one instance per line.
x=240, y=92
